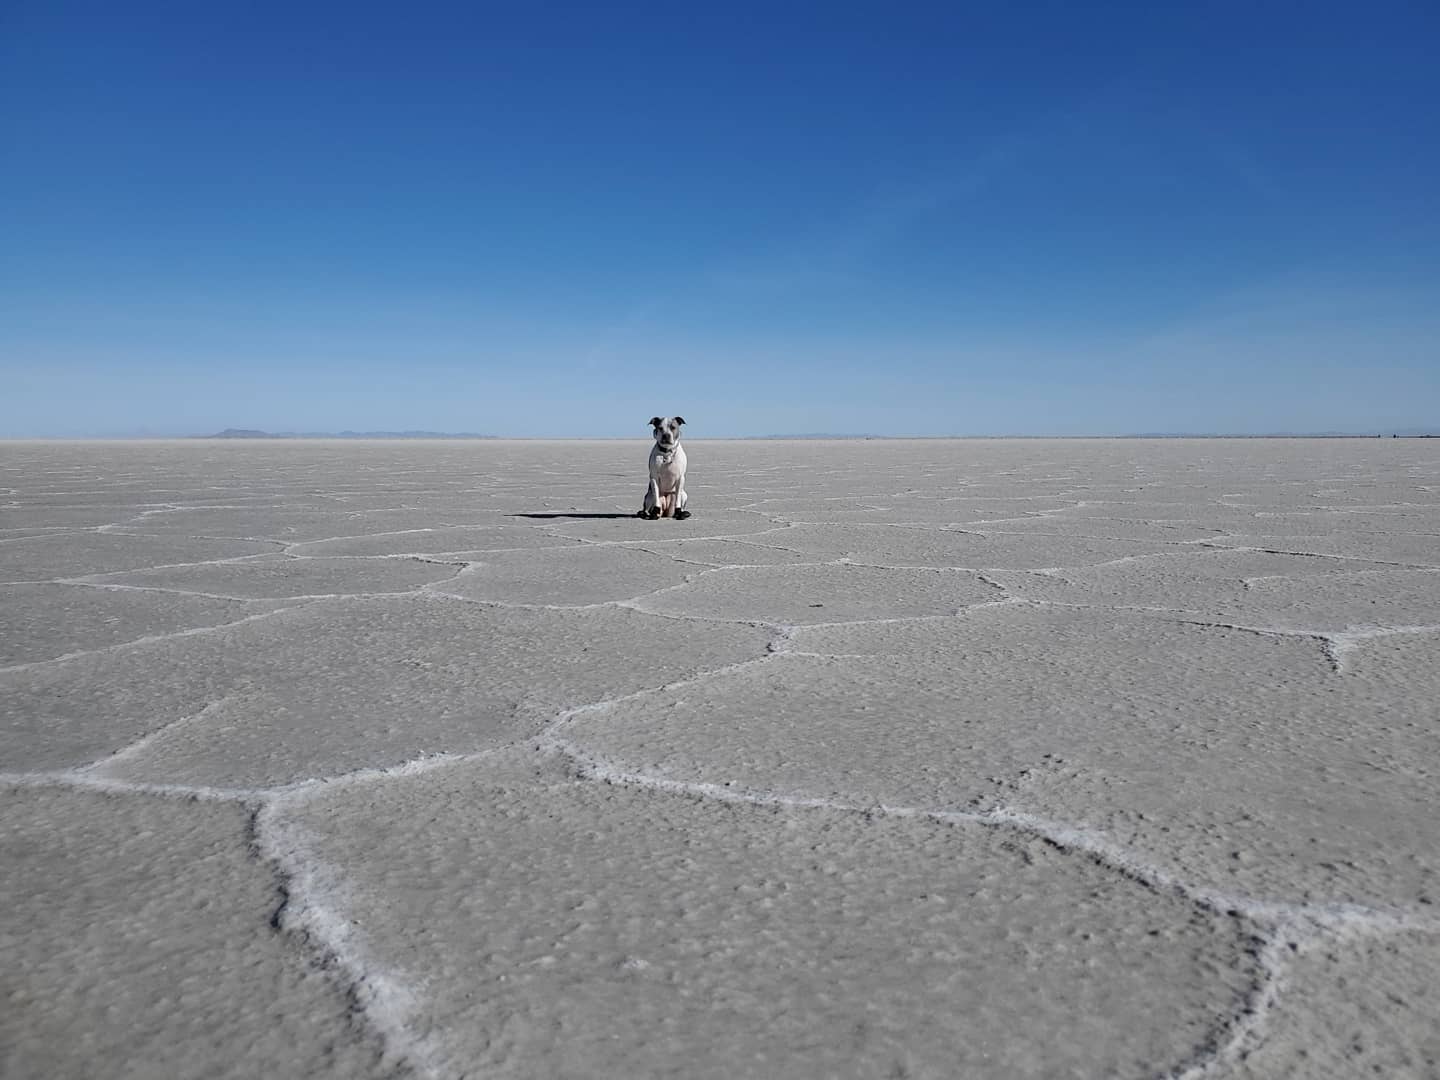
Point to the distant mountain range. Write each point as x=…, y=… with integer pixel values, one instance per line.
x=249, y=433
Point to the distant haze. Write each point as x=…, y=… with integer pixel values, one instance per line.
x=251, y=433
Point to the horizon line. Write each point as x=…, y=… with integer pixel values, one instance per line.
x=1410, y=433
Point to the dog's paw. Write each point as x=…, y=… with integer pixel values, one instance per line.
x=681, y=515
x=652, y=514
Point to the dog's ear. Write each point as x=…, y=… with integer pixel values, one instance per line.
x=679, y=420
x=654, y=420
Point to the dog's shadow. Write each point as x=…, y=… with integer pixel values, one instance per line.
x=575, y=514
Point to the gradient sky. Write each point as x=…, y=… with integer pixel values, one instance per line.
x=542, y=219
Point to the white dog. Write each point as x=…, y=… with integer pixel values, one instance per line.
x=665, y=497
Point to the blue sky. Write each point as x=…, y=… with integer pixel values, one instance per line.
x=560, y=219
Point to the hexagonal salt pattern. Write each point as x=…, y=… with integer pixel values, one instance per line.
x=888, y=545
x=589, y=574
x=1241, y=760
x=47, y=621
x=138, y=943
x=897, y=758
x=436, y=541
x=285, y=577
x=339, y=685
x=804, y=594
x=73, y=554
x=732, y=551
x=579, y=930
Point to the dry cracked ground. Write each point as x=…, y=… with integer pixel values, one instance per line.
x=898, y=759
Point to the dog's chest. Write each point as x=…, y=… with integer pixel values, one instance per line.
x=668, y=469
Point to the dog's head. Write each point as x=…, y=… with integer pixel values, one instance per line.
x=667, y=431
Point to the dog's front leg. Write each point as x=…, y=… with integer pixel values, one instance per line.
x=680, y=499
x=652, y=500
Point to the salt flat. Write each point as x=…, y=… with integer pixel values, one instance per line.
x=925, y=759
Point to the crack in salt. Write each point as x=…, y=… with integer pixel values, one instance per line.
x=312, y=908
x=1283, y=931
x=1337, y=645
x=312, y=894
x=1218, y=545
x=151, y=639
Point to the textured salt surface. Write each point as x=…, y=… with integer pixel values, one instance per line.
x=909, y=759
